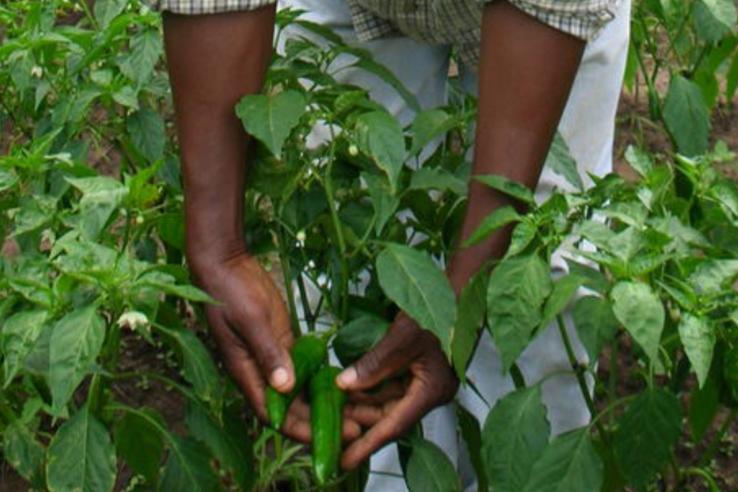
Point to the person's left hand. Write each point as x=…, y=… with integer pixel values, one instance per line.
x=406, y=349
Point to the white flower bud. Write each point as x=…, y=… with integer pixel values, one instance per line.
x=133, y=320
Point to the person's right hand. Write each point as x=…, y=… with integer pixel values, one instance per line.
x=252, y=329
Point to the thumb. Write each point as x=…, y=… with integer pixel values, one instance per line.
x=391, y=355
x=271, y=355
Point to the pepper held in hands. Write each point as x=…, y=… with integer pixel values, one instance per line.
x=326, y=416
x=308, y=354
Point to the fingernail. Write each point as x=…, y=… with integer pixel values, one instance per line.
x=347, y=377
x=279, y=377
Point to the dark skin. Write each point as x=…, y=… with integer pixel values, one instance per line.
x=525, y=76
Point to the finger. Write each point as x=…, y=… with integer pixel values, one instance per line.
x=299, y=417
x=350, y=430
x=271, y=353
x=397, y=422
x=369, y=415
x=239, y=364
x=296, y=428
x=400, y=346
x=387, y=391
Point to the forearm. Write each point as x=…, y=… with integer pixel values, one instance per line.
x=213, y=61
x=525, y=75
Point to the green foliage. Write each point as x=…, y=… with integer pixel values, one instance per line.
x=694, y=45
x=428, y=469
x=514, y=437
x=92, y=205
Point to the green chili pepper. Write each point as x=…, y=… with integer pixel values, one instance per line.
x=308, y=354
x=326, y=418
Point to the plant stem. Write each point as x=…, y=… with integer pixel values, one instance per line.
x=286, y=269
x=517, y=376
x=88, y=14
x=613, y=377
x=307, y=313
x=708, y=478
x=330, y=196
x=714, y=445
x=154, y=375
x=612, y=406
x=579, y=373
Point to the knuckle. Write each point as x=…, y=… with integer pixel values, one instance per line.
x=368, y=365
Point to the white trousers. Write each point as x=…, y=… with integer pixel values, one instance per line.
x=587, y=125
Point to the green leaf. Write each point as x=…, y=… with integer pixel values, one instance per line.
x=522, y=235
x=428, y=126
x=367, y=63
x=713, y=276
x=229, y=443
x=197, y=365
x=687, y=116
x=471, y=432
x=357, y=337
x=569, y=464
x=17, y=339
x=411, y=280
x=76, y=340
x=430, y=470
x=639, y=160
x=499, y=218
x=698, y=338
x=704, y=404
x=22, y=451
x=595, y=324
x=726, y=193
x=383, y=201
x=514, y=437
x=146, y=128
x=188, y=467
x=593, y=279
x=101, y=196
x=472, y=306
x=436, y=178
x=563, y=290
x=7, y=180
x=379, y=135
x=171, y=229
x=107, y=10
x=140, y=443
x=81, y=457
x=517, y=289
x=561, y=162
x=271, y=118
x=189, y=292
x=641, y=312
x=714, y=19
x=127, y=96
x=146, y=49
x=597, y=233
x=646, y=433
x=508, y=187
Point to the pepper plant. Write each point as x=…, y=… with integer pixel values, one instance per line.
x=686, y=55
x=358, y=214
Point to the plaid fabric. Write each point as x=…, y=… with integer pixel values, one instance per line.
x=194, y=7
x=455, y=22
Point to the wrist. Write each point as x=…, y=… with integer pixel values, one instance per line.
x=204, y=256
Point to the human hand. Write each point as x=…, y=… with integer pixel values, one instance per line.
x=252, y=329
x=406, y=350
